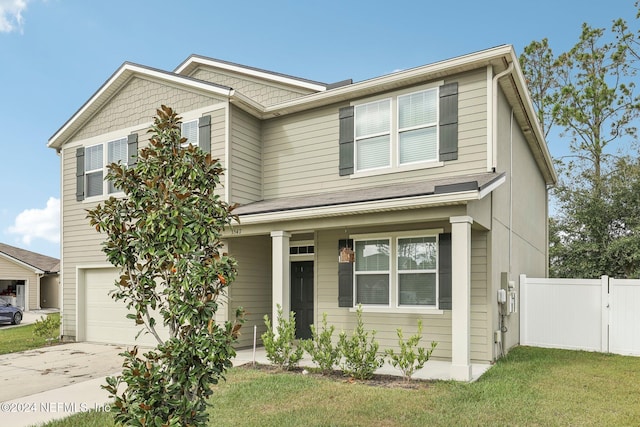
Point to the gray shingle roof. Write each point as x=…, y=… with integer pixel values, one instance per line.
x=384, y=192
x=41, y=262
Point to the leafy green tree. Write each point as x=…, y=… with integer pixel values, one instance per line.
x=597, y=104
x=588, y=95
x=164, y=236
x=538, y=65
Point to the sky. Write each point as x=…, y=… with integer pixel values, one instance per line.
x=55, y=54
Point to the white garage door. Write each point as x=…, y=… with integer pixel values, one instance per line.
x=106, y=320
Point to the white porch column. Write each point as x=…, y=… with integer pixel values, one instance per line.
x=461, y=297
x=280, y=276
x=222, y=315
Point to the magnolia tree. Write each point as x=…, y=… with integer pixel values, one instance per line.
x=164, y=236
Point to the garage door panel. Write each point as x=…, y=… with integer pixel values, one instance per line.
x=105, y=319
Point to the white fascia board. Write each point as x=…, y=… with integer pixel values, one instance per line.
x=20, y=263
x=251, y=72
x=361, y=207
x=489, y=188
x=122, y=75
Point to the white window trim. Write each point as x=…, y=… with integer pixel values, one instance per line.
x=105, y=161
x=394, y=306
x=394, y=144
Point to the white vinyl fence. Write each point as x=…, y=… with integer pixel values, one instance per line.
x=581, y=314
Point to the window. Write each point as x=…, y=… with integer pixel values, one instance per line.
x=372, y=272
x=407, y=131
x=417, y=260
x=117, y=153
x=189, y=130
x=373, y=135
x=384, y=140
x=95, y=165
x=417, y=127
x=396, y=271
x=94, y=170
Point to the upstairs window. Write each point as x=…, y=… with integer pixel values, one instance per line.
x=418, y=127
x=409, y=130
x=189, y=130
x=117, y=152
x=373, y=135
x=96, y=159
x=94, y=170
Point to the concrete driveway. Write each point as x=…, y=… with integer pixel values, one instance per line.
x=33, y=371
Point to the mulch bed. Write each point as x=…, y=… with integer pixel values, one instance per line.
x=389, y=381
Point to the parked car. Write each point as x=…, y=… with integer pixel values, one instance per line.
x=10, y=314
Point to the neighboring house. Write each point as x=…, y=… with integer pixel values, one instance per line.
x=417, y=194
x=28, y=280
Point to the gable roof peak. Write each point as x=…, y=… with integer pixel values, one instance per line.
x=43, y=263
x=194, y=60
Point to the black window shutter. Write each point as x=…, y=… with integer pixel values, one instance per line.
x=346, y=141
x=80, y=174
x=345, y=276
x=204, y=133
x=444, y=270
x=132, y=150
x=449, y=122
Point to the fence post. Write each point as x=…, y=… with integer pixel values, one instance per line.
x=523, y=311
x=604, y=322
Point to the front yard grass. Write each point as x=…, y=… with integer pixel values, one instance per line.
x=21, y=338
x=531, y=386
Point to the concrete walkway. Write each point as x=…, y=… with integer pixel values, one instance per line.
x=41, y=385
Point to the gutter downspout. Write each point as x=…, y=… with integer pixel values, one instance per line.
x=494, y=144
x=494, y=113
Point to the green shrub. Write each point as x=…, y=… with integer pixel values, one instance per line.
x=361, y=357
x=320, y=347
x=280, y=345
x=410, y=358
x=47, y=327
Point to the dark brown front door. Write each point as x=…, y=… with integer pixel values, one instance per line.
x=302, y=296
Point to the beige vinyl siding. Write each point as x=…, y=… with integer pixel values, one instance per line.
x=436, y=327
x=301, y=150
x=252, y=288
x=481, y=338
x=526, y=228
x=9, y=270
x=50, y=291
x=262, y=91
x=246, y=158
x=81, y=243
x=136, y=103
x=218, y=134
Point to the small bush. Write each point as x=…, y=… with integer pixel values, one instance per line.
x=280, y=347
x=320, y=347
x=410, y=358
x=47, y=327
x=361, y=358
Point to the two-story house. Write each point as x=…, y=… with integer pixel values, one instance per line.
x=416, y=195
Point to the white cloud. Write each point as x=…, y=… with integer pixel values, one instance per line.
x=11, y=15
x=33, y=224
